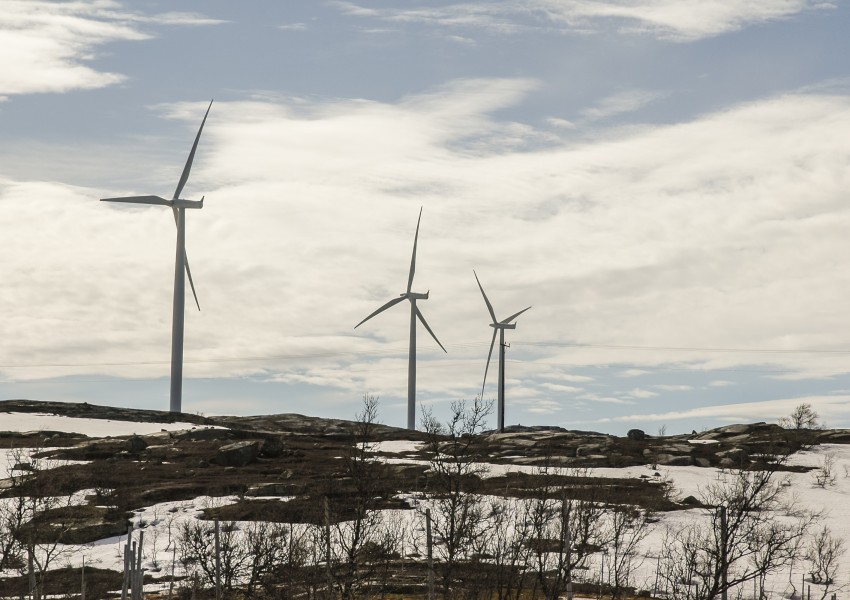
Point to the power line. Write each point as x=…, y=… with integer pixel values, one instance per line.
x=393, y=351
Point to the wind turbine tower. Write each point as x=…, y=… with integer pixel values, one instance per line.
x=415, y=313
x=498, y=326
x=181, y=263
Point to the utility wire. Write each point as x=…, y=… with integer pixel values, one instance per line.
x=393, y=351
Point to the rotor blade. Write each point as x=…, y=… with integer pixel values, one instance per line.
x=514, y=316
x=489, y=356
x=413, y=258
x=191, y=283
x=486, y=301
x=392, y=302
x=186, y=262
x=425, y=323
x=140, y=200
x=185, y=176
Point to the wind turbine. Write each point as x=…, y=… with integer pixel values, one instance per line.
x=415, y=313
x=178, y=206
x=498, y=326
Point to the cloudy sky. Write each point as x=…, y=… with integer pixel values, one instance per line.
x=666, y=182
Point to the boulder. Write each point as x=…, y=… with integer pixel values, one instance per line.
x=702, y=462
x=208, y=433
x=237, y=454
x=675, y=461
x=85, y=533
x=588, y=449
x=638, y=435
x=135, y=444
x=272, y=448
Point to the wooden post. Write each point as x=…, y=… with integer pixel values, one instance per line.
x=126, y=567
x=31, y=568
x=173, y=561
x=429, y=541
x=140, y=577
x=126, y=582
x=83, y=580
x=328, y=569
x=217, y=561
x=568, y=548
x=723, y=557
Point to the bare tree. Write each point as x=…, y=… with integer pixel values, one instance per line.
x=824, y=554
x=196, y=548
x=508, y=532
x=34, y=515
x=749, y=532
x=456, y=465
x=802, y=417
x=825, y=475
x=565, y=529
x=626, y=528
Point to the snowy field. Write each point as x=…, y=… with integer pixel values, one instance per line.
x=89, y=427
x=161, y=522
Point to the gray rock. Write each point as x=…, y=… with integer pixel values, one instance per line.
x=637, y=435
x=735, y=454
x=135, y=444
x=676, y=461
x=588, y=449
x=237, y=454
x=204, y=434
x=272, y=448
x=702, y=462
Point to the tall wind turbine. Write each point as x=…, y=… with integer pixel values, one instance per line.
x=178, y=206
x=415, y=313
x=498, y=326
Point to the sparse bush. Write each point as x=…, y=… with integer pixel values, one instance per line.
x=825, y=474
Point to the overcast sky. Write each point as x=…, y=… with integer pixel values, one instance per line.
x=666, y=182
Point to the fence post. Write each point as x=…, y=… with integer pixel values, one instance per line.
x=429, y=540
x=217, y=561
x=328, y=570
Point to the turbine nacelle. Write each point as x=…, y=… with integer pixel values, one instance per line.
x=504, y=325
x=415, y=295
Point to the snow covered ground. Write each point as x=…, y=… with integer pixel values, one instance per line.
x=90, y=427
x=161, y=522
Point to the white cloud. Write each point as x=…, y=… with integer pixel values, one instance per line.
x=674, y=388
x=605, y=399
x=46, y=45
x=641, y=393
x=721, y=383
x=677, y=20
x=723, y=232
x=633, y=373
x=766, y=410
x=623, y=102
x=555, y=387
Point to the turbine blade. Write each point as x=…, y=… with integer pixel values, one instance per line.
x=413, y=258
x=139, y=200
x=191, y=283
x=486, y=301
x=186, y=262
x=514, y=316
x=489, y=356
x=185, y=176
x=425, y=323
x=389, y=304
